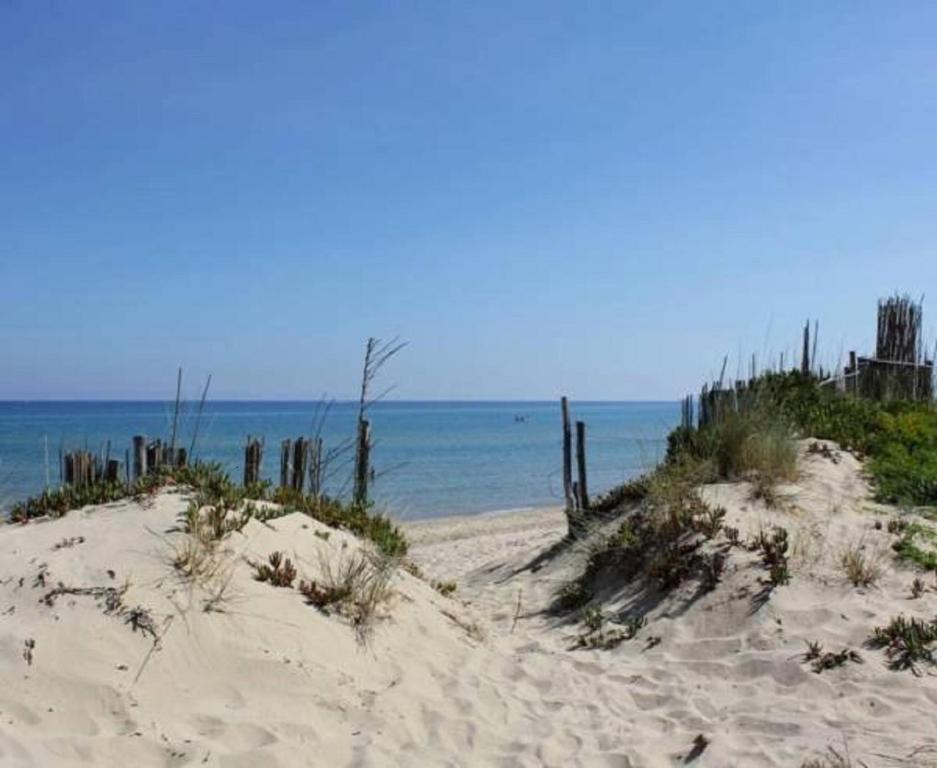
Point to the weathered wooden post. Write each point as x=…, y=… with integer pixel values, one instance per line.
x=112, y=472
x=581, y=464
x=81, y=469
x=253, y=456
x=167, y=455
x=154, y=456
x=175, y=417
x=315, y=468
x=139, y=456
x=85, y=469
x=362, y=460
x=69, y=465
x=300, y=463
x=805, y=355
x=567, y=456
x=45, y=440
x=286, y=449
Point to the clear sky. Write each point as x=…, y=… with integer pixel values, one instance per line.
x=598, y=199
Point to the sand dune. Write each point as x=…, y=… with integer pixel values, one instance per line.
x=484, y=678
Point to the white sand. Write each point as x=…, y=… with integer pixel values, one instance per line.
x=483, y=679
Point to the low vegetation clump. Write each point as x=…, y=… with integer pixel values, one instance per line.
x=917, y=544
x=756, y=445
x=666, y=536
x=593, y=618
x=445, y=588
x=832, y=759
x=60, y=501
x=278, y=571
x=908, y=643
x=821, y=660
x=713, y=566
x=774, y=547
x=597, y=638
x=356, y=518
x=353, y=585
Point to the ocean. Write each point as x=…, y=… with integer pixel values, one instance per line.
x=431, y=459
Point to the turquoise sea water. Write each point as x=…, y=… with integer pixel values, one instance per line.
x=432, y=458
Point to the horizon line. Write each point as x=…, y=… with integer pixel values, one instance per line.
x=5, y=401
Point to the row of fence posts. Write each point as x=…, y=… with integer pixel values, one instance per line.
x=301, y=460
x=83, y=468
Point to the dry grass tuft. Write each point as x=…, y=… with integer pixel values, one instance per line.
x=832, y=759
x=822, y=660
x=861, y=568
x=355, y=585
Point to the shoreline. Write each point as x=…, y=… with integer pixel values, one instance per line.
x=434, y=530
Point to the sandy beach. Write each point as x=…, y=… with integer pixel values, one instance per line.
x=109, y=657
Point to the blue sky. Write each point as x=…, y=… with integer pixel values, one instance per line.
x=598, y=199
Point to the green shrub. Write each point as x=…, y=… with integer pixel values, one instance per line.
x=907, y=642
x=381, y=530
x=60, y=501
x=918, y=544
x=278, y=570
x=216, y=495
x=445, y=588
x=759, y=442
x=899, y=438
x=593, y=618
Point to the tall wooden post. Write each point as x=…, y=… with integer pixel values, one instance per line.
x=300, y=463
x=362, y=462
x=581, y=464
x=139, y=456
x=112, y=472
x=567, y=456
x=315, y=468
x=253, y=456
x=69, y=465
x=286, y=449
x=175, y=416
x=154, y=455
x=805, y=356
